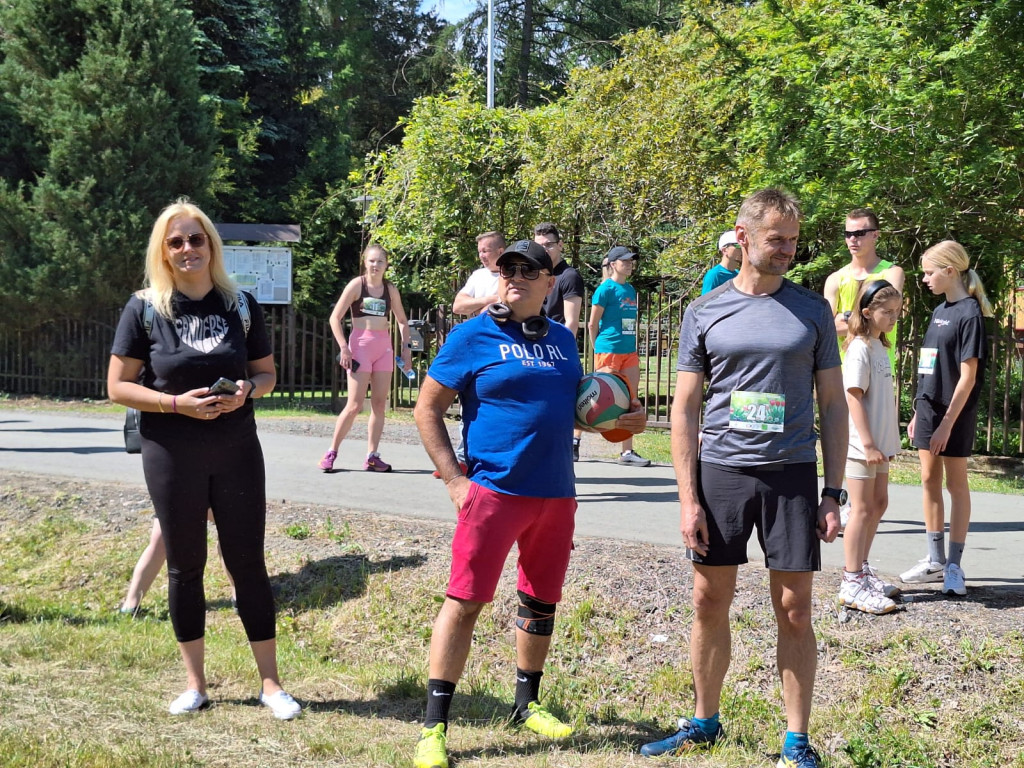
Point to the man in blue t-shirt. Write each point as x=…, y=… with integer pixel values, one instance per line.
x=516, y=373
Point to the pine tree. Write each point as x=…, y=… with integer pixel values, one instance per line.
x=109, y=89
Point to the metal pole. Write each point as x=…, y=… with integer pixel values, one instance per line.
x=490, y=54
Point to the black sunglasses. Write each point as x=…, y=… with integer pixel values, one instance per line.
x=508, y=271
x=196, y=240
x=847, y=233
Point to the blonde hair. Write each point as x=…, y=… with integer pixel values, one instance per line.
x=160, y=285
x=366, y=253
x=949, y=253
x=858, y=325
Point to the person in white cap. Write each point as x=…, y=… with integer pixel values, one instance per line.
x=728, y=267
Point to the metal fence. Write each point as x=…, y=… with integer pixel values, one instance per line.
x=69, y=359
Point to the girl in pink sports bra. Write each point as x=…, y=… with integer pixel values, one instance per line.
x=367, y=355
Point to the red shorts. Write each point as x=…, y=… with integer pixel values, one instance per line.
x=490, y=523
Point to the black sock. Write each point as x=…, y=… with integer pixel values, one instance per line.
x=527, y=690
x=439, y=701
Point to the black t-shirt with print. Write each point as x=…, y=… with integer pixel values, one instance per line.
x=955, y=334
x=203, y=342
x=568, y=283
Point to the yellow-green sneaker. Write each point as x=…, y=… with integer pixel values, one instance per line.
x=430, y=749
x=544, y=723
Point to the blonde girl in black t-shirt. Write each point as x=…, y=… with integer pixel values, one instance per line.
x=950, y=374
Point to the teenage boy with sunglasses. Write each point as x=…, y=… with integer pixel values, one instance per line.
x=565, y=299
x=516, y=374
x=861, y=236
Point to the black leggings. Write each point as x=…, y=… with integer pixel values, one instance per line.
x=186, y=479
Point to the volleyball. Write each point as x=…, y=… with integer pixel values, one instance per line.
x=600, y=399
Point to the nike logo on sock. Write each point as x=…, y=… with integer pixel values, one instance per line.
x=439, y=693
x=522, y=679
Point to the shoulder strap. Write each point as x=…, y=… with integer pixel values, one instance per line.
x=243, y=312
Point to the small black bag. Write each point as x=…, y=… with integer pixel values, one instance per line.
x=132, y=438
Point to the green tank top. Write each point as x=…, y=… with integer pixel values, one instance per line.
x=847, y=293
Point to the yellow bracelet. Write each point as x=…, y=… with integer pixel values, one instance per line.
x=160, y=402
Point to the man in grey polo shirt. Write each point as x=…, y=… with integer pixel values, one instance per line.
x=765, y=346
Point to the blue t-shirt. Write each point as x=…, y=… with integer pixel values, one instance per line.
x=715, y=277
x=617, y=328
x=518, y=403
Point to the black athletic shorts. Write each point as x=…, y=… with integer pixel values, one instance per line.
x=781, y=502
x=930, y=415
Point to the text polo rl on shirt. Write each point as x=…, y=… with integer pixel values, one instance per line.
x=531, y=352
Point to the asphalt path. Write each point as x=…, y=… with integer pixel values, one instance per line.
x=615, y=502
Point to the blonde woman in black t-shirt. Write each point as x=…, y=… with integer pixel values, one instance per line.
x=200, y=450
x=950, y=374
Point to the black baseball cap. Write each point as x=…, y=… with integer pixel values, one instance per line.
x=619, y=253
x=531, y=252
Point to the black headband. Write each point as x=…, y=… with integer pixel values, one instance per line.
x=871, y=291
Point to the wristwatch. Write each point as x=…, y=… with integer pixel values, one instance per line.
x=839, y=494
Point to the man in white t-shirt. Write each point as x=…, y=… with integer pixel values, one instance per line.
x=481, y=289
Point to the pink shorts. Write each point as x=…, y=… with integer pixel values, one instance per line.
x=372, y=350
x=490, y=523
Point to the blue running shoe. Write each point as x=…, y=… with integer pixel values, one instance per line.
x=801, y=757
x=688, y=738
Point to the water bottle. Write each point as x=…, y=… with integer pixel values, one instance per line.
x=409, y=374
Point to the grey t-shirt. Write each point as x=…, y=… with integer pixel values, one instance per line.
x=758, y=355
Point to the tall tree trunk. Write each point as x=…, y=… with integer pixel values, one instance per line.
x=524, y=54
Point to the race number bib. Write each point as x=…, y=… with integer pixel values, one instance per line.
x=926, y=365
x=372, y=306
x=757, y=411
x=629, y=326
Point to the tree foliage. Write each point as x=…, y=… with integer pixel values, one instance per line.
x=454, y=175
x=911, y=107
x=539, y=42
x=108, y=92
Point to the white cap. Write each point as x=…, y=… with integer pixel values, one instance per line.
x=727, y=238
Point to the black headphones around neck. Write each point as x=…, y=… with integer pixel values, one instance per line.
x=534, y=328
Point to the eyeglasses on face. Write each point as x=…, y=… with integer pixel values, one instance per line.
x=196, y=240
x=547, y=246
x=528, y=272
x=848, y=233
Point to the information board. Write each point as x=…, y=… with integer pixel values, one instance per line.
x=266, y=273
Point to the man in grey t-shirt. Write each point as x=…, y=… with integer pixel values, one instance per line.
x=764, y=346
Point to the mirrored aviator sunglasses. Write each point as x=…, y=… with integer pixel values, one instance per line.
x=196, y=240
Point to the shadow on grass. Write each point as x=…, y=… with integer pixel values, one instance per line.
x=323, y=583
x=1005, y=595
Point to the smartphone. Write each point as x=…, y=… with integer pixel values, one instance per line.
x=223, y=386
x=353, y=366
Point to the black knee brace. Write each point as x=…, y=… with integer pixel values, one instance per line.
x=535, y=616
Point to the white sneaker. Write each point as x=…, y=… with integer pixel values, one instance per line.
x=878, y=583
x=844, y=516
x=953, y=580
x=858, y=595
x=633, y=459
x=282, y=705
x=923, y=573
x=189, y=701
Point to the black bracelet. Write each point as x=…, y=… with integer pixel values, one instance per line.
x=252, y=388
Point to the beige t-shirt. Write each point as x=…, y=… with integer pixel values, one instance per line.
x=866, y=366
